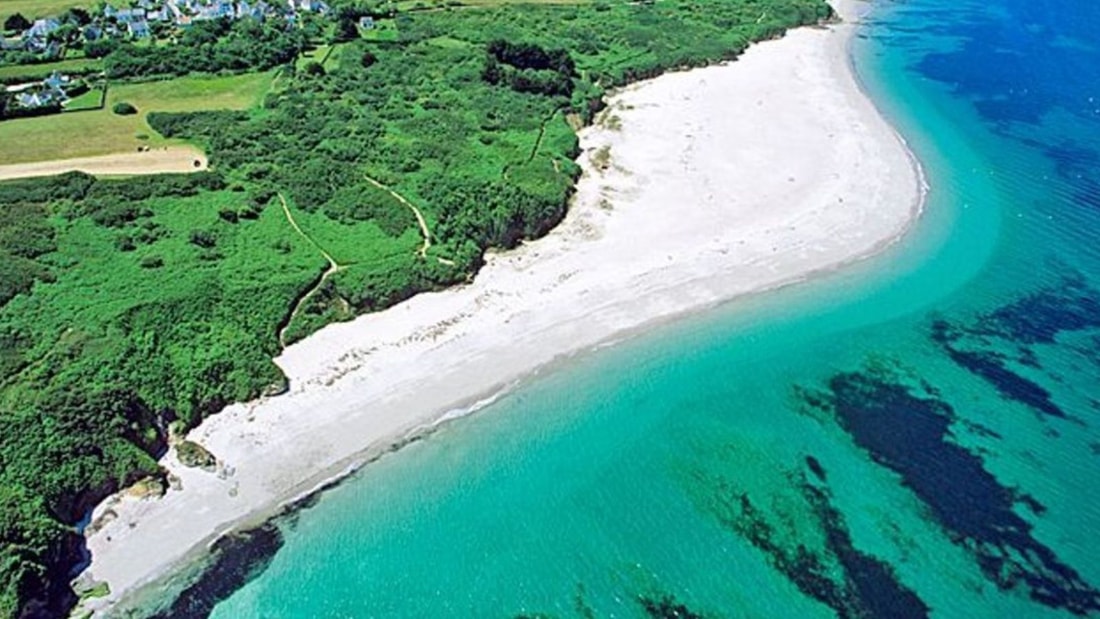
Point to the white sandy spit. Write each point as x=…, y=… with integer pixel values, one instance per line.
x=161, y=160
x=722, y=181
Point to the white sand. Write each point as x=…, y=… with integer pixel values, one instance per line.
x=724, y=181
x=157, y=160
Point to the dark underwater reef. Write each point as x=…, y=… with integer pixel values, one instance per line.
x=235, y=560
x=854, y=584
x=908, y=430
x=992, y=342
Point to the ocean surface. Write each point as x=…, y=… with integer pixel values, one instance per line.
x=918, y=435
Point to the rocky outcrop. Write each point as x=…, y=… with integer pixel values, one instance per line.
x=193, y=455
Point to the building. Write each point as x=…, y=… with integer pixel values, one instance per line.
x=42, y=94
x=56, y=81
x=308, y=6
x=128, y=16
x=139, y=29
x=42, y=28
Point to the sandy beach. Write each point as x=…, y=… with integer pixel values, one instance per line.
x=698, y=187
x=162, y=160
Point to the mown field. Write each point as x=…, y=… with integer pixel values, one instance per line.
x=100, y=132
x=130, y=306
x=326, y=55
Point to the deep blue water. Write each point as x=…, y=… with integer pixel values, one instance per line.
x=915, y=436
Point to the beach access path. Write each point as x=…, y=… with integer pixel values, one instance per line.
x=709, y=184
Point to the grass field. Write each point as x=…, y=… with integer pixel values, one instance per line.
x=327, y=55
x=383, y=30
x=90, y=100
x=32, y=9
x=100, y=132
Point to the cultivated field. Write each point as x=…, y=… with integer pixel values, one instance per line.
x=100, y=132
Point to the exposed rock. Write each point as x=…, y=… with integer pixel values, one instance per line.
x=148, y=488
x=86, y=587
x=276, y=388
x=193, y=455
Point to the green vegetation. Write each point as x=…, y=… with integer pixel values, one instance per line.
x=90, y=100
x=102, y=132
x=15, y=74
x=127, y=306
x=124, y=108
x=209, y=47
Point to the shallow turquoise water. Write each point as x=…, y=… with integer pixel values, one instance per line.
x=914, y=436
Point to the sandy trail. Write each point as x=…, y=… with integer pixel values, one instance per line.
x=160, y=160
x=720, y=182
x=420, y=221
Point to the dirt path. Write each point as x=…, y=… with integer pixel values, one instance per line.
x=419, y=216
x=290, y=218
x=333, y=268
x=535, y=147
x=162, y=160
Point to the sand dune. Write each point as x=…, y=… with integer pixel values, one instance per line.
x=154, y=161
x=710, y=184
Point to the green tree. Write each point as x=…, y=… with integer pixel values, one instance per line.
x=16, y=23
x=77, y=16
x=346, y=29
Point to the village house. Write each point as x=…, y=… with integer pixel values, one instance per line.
x=36, y=38
x=48, y=92
x=138, y=29
x=41, y=28
x=137, y=21
x=92, y=32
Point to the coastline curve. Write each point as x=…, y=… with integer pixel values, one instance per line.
x=592, y=280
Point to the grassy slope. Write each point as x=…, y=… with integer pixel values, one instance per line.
x=100, y=132
x=199, y=330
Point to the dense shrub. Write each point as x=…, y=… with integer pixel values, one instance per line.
x=210, y=46
x=203, y=238
x=151, y=262
x=528, y=68
x=68, y=186
x=122, y=108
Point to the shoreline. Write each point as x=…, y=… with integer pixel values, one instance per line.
x=340, y=374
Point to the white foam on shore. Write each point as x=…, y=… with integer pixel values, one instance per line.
x=724, y=181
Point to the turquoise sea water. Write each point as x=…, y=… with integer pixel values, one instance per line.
x=915, y=436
